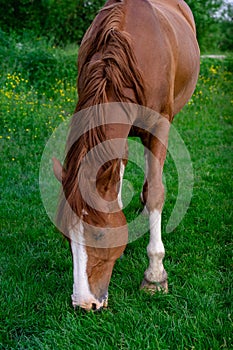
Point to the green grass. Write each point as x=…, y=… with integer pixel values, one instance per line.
x=35, y=262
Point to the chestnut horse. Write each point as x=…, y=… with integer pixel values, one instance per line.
x=135, y=53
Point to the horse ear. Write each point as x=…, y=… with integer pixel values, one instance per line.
x=58, y=169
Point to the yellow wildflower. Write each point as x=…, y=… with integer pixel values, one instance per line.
x=213, y=70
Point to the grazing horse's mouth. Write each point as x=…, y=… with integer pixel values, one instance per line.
x=93, y=306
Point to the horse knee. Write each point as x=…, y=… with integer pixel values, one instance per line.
x=155, y=198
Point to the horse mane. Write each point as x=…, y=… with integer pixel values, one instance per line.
x=107, y=62
x=107, y=68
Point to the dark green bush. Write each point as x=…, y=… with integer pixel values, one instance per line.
x=37, y=60
x=226, y=29
x=65, y=20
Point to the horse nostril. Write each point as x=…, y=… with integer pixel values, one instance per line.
x=94, y=307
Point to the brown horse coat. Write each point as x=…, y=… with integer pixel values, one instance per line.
x=140, y=52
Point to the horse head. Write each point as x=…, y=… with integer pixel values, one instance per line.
x=97, y=239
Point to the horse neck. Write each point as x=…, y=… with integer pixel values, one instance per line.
x=108, y=180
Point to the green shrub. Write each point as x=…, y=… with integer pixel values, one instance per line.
x=38, y=60
x=64, y=20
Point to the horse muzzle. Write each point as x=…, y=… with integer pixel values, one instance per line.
x=91, y=305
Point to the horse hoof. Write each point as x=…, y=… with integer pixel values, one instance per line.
x=153, y=287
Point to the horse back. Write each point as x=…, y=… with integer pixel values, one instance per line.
x=164, y=40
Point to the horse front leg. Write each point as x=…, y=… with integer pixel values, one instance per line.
x=155, y=277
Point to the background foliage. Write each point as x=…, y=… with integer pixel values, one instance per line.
x=65, y=21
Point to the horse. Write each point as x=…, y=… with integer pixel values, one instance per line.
x=136, y=55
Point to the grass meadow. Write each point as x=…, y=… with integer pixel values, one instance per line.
x=37, y=93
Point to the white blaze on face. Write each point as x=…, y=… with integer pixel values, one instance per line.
x=122, y=169
x=82, y=295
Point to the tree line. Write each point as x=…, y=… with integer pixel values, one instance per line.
x=65, y=21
